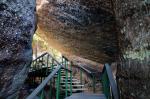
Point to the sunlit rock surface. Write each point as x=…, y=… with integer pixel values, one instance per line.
x=84, y=28
x=133, y=17
x=95, y=29
x=17, y=25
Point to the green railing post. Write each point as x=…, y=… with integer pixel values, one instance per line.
x=47, y=65
x=52, y=65
x=42, y=94
x=81, y=76
x=66, y=79
x=34, y=71
x=106, y=86
x=71, y=78
x=35, y=64
x=41, y=71
x=42, y=62
x=58, y=84
x=93, y=79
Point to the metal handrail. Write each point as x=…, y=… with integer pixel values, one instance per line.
x=44, y=82
x=48, y=78
x=82, y=68
x=86, y=70
x=59, y=63
x=46, y=53
x=107, y=70
x=40, y=56
x=112, y=81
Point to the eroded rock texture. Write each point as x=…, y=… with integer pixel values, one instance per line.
x=17, y=25
x=93, y=29
x=134, y=69
x=85, y=28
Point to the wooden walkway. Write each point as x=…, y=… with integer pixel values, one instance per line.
x=86, y=96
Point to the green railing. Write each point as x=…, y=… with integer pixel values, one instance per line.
x=67, y=66
x=83, y=70
x=109, y=84
x=46, y=71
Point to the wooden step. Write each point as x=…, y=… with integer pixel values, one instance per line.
x=86, y=96
x=75, y=89
x=63, y=79
x=70, y=82
x=74, y=85
x=65, y=76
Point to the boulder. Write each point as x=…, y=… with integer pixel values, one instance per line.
x=133, y=75
x=17, y=26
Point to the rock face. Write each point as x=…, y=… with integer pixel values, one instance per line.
x=79, y=27
x=92, y=29
x=17, y=26
x=134, y=69
x=96, y=29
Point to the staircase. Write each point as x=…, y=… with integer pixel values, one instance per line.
x=50, y=79
x=64, y=80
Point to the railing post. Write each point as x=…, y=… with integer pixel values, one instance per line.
x=81, y=76
x=40, y=90
x=36, y=64
x=112, y=82
x=105, y=83
x=52, y=65
x=66, y=80
x=58, y=84
x=47, y=64
x=42, y=94
x=93, y=80
x=71, y=78
x=41, y=69
x=34, y=71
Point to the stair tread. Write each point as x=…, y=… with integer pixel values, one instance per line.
x=70, y=79
x=74, y=85
x=65, y=76
x=70, y=82
x=87, y=96
x=77, y=89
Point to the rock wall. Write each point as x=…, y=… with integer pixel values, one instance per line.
x=79, y=27
x=96, y=29
x=92, y=29
x=17, y=26
x=133, y=17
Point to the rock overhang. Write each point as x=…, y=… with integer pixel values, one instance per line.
x=85, y=29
